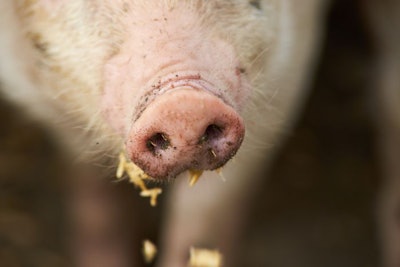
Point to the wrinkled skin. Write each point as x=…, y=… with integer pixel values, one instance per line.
x=182, y=84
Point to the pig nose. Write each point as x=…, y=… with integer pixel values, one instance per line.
x=183, y=129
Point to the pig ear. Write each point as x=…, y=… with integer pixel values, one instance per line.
x=255, y=4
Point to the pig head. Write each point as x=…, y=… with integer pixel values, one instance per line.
x=168, y=79
x=183, y=112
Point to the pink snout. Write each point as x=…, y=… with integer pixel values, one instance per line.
x=183, y=129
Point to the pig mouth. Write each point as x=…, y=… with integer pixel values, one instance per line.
x=171, y=82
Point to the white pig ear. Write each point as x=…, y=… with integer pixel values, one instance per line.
x=255, y=4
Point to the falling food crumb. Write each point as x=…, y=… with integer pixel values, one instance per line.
x=205, y=258
x=194, y=176
x=219, y=172
x=149, y=251
x=153, y=194
x=137, y=177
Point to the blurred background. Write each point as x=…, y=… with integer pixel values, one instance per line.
x=318, y=205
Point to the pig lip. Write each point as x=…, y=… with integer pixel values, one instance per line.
x=172, y=172
x=171, y=82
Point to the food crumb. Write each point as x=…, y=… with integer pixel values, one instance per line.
x=205, y=258
x=149, y=251
x=137, y=177
x=194, y=176
x=153, y=194
x=219, y=172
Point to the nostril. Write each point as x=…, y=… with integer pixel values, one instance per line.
x=157, y=142
x=212, y=132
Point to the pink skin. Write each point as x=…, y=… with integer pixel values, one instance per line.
x=167, y=83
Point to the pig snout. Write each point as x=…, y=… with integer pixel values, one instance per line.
x=184, y=128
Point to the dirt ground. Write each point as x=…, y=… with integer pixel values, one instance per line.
x=318, y=205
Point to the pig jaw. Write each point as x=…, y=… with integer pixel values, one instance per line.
x=175, y=99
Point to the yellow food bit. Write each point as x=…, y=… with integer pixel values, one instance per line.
x=149, y=251
x=213, y=153
x=137, y=177
x=121, y=165
x=219, y=172
x=194, y=176
x=205, y=258
x=153, y=194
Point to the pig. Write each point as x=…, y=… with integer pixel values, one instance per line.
x=161, y=140
x=175, y=82
x=181, y=84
